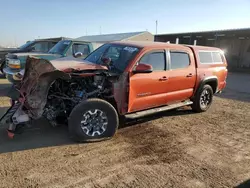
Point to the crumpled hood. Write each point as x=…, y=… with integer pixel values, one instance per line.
x=40, y=73
x=68, y=64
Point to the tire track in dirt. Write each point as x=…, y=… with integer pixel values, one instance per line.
x=173, y=149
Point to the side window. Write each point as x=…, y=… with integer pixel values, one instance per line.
x=40, y=47
x=84, y=48
x=205, y=57
x=179, y=60
x=217, y=57
x=210, y=57
x=156, y=59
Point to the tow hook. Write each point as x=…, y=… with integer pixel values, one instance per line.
x=17, y=131
x=10, y=134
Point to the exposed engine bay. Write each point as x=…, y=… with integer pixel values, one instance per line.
x=64, y=95
x=48, y=92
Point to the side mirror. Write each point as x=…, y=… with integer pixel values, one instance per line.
x=78, y=54
x=143, y=68
x=106, y=60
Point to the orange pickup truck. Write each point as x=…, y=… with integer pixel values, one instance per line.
x=117, y=80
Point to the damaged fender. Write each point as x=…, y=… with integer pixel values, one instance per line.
x=38, y=77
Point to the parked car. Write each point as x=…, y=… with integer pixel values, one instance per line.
x=38, y=45
x=15, y=62
x=119, y=79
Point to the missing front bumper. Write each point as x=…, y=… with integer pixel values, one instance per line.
x=14, y=116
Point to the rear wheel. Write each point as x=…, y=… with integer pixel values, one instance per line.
x=93, y=120
x=203, y=99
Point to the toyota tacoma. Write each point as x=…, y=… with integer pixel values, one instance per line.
x=117, y=80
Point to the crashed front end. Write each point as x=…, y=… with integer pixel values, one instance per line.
x=50, y=92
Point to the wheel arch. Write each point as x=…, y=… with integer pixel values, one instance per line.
x=112, y=102
x=211, y=80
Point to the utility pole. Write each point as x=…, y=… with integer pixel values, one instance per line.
x=156, y=26
x=15, y=41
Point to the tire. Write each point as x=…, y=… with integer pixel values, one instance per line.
x=198, y=103
x=88, y=120
x=3, y=75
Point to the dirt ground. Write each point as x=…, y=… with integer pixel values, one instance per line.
x=172, y=149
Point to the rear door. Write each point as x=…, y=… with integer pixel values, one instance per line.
x=148, y=90
x=182, y=75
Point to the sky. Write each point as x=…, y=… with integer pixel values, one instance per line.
x=23, y=20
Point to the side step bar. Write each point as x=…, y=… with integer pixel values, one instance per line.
x=156, y=110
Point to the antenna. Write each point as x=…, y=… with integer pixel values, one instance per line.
x=15, y=41
x=156, y=26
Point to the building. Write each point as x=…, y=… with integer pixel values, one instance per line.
x=234, y=42
x=133, y=36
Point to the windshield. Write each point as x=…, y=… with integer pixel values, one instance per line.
x=60, y=47
x=120, y=55
x=26, y=45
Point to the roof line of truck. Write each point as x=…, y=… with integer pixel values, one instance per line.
x=142, y=44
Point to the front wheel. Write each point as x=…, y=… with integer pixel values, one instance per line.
x=1, y=69
x=93, y=120
x=203, y=99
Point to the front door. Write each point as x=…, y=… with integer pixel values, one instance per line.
x=83, y=48
x=148, y=90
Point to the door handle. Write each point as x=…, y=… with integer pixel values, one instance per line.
x=189, y=75
x=164, y=78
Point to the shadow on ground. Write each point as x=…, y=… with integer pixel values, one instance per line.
x=237, y=87
x=245, y=184
x=41, y=134
x=234, y=95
